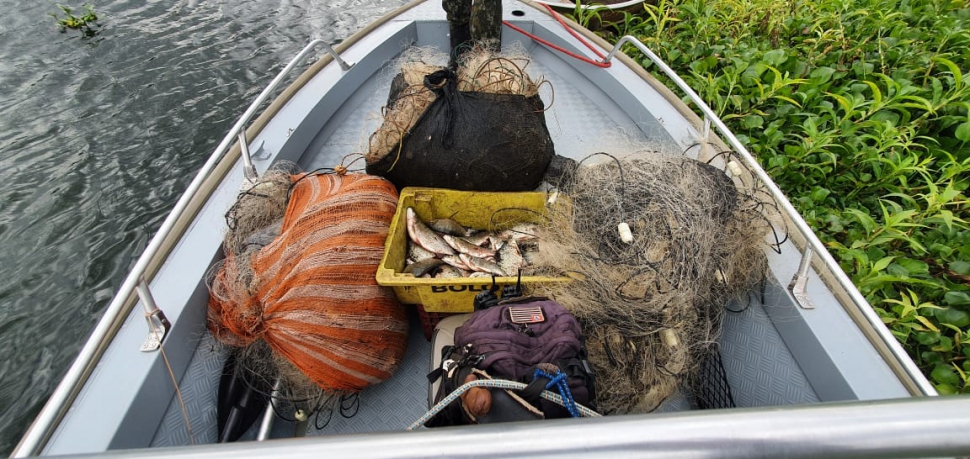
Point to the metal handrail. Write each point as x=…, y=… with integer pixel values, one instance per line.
x=911, y=427
x=43, y=426
x=812, y=241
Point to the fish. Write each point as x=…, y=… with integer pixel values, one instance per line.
x=448, y=226
x=425, y=237
x=449, y=272
x=529, y=256
x=524, y=233
x=463, y=246
x=455, y=261
x=479, y=238
x=481, y=264
x=510, y=258
x=418, y=253
x=420, y=268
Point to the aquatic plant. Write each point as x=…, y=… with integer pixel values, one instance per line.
x=860, y=111
x=86, y=23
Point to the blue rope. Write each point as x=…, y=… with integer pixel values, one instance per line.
x=559, y=382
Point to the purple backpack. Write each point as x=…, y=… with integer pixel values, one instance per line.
x=509, y=339
x=543, y=332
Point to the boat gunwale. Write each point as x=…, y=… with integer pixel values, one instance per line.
x=909, y=427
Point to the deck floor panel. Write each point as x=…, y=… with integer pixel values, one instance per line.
x=199, y=388
x=760, y=368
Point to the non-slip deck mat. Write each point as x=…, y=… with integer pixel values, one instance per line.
x=760, y=368
x=395, y=403
x=199, y=387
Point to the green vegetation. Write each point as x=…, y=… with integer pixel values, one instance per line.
x=860, y=111
x=85, y=23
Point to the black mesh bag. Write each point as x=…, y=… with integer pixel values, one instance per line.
x=471, y=141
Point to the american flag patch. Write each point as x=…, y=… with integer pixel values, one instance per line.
x=526, y=314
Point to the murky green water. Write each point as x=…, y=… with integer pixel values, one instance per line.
x=99, y=136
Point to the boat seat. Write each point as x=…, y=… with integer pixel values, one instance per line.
x=443, y=335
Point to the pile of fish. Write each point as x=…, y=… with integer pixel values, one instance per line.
x=443, y=249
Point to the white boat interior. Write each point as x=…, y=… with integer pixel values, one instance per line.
x=808, y=337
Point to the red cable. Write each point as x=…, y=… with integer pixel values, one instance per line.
x=572, y=32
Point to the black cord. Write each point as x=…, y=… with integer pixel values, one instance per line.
x=619, y=168
x=354, y=403
x=317, y=415
x=313, y=173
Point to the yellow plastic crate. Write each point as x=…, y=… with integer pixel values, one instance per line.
x=491, y=211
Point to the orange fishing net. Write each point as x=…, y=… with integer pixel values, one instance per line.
x=311, y=293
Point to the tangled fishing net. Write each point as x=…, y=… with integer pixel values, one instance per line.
x=480, y=127
x=480, y=70
x=651, y=306
x=296, y=293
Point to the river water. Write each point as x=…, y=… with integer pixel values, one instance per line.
x=98, y=138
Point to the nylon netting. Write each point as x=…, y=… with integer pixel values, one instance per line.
x=310, y=294
x=651, y=307
x=480, y=70
x=480, y=127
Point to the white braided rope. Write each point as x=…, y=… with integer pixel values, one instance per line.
x=498, y=384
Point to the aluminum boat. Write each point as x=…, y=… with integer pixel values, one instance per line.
x=812, y=369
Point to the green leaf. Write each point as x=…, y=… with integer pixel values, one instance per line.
x=775, y=57
x=957, y=298
x=863, y=218
x=941, y=250
x=932, y=358
x=944, y=216
x=819, y=194
x=963, y=132
x=946, y=344
x=914, y=267
x=882, y=264
x=926, y=322
x=753, y=121
x=953, y=316
x=945, y=389
x=884, y=279
x=937, y=89
x=945, y=375
x=862, y=68
x=954, y=69
x=788, y=99
x=822, y=74
x=960, y=267
x=876, y=93
x=963, y=376
x=927, y=338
